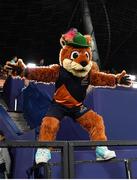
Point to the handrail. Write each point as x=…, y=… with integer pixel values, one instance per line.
x=103, y=143
x=67, y=152
x=74, y=144
x=62, y=145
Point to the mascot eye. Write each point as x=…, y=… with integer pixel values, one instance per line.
x=87, y=54
x=74, y=54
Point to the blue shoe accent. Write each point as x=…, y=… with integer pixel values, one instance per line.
x=42, y=155
x=103, y=153
x=100, y=151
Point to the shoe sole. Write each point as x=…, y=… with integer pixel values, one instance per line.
x=105, y=159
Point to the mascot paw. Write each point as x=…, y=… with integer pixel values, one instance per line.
x=42, y=155
x=103, y=153
x=17, y=67
x=123, y=79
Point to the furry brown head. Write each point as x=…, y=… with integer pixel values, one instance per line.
x=76, y=54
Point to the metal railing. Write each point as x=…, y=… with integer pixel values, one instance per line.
x=61, y=145
x=67, y=149
x=73, y=144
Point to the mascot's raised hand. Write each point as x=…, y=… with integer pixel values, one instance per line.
x=123, y=79
x=18, y=67
x=72, y=76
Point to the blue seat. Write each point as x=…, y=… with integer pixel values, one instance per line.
x=36, y=100
x=12, y=90
x=119, y=109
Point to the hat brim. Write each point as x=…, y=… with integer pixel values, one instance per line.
x=77, y=45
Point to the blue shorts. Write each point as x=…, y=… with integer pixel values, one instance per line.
x=59, y=111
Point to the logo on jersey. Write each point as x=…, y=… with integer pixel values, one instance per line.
x=83, y=109
x=84, y=81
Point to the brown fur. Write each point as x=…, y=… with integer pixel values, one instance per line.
x=44, y=74
x=67, y=50
x=93, y=123
x=90, y=121
x=103, y=79
x=94, y=67
x=49, y=128
x=50, y=73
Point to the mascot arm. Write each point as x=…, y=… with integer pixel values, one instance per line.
x=104, y=79
x=43, y=74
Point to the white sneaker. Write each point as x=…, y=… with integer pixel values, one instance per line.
x=42, y=155
x=103, y=153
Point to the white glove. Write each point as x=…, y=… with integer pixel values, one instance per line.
x=42, y=155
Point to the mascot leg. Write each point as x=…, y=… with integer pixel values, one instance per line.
x=48, y=131
x=94, y=124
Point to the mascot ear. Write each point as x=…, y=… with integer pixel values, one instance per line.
x=90, y=41
x=62, y=41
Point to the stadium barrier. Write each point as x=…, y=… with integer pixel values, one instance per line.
x=67, y=149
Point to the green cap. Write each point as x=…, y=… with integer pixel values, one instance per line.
x=78, y=41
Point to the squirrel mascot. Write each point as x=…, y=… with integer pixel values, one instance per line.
x=72, y=76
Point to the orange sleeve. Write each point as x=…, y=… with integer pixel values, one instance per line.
x=102, y=79
x=43, y=73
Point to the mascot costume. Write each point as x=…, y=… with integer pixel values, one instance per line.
x=75, y=72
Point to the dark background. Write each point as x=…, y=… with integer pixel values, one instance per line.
x=31, y=30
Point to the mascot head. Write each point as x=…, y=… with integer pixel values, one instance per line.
x=76, y=55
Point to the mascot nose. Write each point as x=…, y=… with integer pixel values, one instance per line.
x=83, y=63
